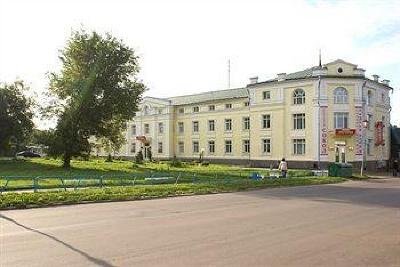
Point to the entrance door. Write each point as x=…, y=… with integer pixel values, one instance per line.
x=340, y=153
x=147, y=152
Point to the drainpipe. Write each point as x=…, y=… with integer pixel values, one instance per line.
x=364, y=129
x=248, y=93
x=319, y=123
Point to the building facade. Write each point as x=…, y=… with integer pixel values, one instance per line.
x=329, y=113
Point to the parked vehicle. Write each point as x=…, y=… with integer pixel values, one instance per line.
x=28, y=154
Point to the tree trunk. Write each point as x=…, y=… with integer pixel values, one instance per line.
x=67, y=161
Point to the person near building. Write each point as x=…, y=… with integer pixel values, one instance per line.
x=283, y=167
x=395, y=167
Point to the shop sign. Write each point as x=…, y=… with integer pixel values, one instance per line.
x=379, y=133
x=324, y=132
x=345, y=132
x=359, y=127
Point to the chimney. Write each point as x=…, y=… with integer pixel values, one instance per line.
x=376, y=77
x=254, y=80
x=281, y=76
x=386, y=82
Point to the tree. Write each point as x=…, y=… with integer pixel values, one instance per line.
x=97, y=92
x=15, y=116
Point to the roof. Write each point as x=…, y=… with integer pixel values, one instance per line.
x=209, y=96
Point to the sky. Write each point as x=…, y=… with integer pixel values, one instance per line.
x=184, y=46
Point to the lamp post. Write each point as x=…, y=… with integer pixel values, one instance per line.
x=365, y=126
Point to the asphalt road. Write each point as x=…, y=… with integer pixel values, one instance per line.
x=350, y=224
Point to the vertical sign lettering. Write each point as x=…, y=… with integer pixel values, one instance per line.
x=324, y=132
x=359, y=131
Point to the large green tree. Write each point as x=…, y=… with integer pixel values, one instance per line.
x=15, y=116
x=97, y=90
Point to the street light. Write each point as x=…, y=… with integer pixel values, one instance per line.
x=365, y=126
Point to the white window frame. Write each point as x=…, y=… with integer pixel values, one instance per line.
x=211, y=147
x=266, y=145
x=299, y=97
x=228, y=122
x=211, y=107
x=181, y=127
x=246, y=146
x=228, y=106
x=211, y=125
x=246, y=123
x=181, y=147
x=196, y=126
x=133, y=129
x=299, y=121
x=133, y=148
x=341, y=119
x=266, y=95
x=266, y=121
x=341, y=96
x=299, y=146
x=195, y=147
x=196, y=109
x=160, y=128
x=228, y=144
x=146, y=128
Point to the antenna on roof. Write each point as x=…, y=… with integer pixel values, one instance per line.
x=229, y=73
x=320, y=64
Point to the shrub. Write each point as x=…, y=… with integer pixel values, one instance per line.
x=139, y=157
x=176, y=163
x=205, y=163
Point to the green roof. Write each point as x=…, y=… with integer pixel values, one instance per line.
x=209, y=96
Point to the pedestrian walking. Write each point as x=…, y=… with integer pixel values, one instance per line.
x=283, y=167
x=395, y=167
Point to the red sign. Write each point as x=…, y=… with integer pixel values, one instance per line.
x=379, y=133
x=345, y=131
x=141, y=138
x=359, y=127
x=324, y=132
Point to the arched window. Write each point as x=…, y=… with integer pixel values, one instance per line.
x=299, y=97
x=369, y=98
x=341, y=96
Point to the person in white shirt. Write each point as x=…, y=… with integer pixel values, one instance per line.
x=283, y=167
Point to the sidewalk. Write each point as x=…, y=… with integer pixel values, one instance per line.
x=382, y=175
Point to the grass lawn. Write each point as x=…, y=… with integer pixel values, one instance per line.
x=208, y=179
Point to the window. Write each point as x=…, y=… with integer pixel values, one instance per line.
x=369, y=98
x=339, y=70
x=383, y=98
x=133, y=148
x=181, y=127
x=160, y=111
x=340, y=96
x=133, y=129
x=341, y=120
x=299, y=121
x=160, y=148
x=211, y=147
x=181, y=110
x=299, y=97
x=299, y=146
x=181, y=147
x=160, y=127
x=266, y=145
x=246, y=123
x=266, y=121
x=195, y=126
x=146, y=128
x=195, y=146
x=228, y=106
x=228, y=124
x=246, y=146
x=247, y=103
x=369, y=147
x=266, y=95
x=228, y=146
x=146, y=110
x=196, y=109
x=211, y=125
x=370, y=122
x=211, y=107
